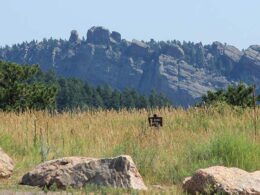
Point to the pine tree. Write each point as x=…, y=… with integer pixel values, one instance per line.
x=115, y=100
x=18, y=92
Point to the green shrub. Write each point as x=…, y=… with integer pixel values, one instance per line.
x=240, y=95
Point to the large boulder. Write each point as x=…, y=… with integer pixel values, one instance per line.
x=6, y=165
x=98, y=35
x=223, y=180
x=79, y=171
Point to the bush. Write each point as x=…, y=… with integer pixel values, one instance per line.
x=240, y=95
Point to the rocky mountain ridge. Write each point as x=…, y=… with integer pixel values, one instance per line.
x=182, y=71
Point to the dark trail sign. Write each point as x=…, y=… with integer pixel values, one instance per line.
x=155, y=121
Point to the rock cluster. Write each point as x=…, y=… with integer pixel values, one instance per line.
x=223, y=180
x=118, y=172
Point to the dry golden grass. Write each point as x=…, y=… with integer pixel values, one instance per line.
x=162, y=156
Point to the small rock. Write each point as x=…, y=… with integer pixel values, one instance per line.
x=6, y=165
x=118, y=172
x=223, y=180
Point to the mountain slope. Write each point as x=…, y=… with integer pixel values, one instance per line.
x=183, y=71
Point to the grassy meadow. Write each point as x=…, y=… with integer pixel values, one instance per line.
x=189, y=140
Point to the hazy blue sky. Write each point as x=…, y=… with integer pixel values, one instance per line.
x=236, y=22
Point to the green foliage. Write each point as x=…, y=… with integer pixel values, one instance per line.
x=240, y=95
x=158, y=100
x=18, y=92
x=74, y=94
x=27, y=87
x=71, y=93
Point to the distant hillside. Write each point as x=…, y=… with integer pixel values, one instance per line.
x=182, y=71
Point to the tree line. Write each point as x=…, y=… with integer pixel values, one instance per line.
x=74, y=93
x=27, y=87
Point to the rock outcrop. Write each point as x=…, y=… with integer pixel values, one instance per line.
x=118, y=172
x=98, y=35
x=182, y=81
x=6, y=165
x=229, y=51
x=116, y=36
x=182, y=71
x=250, y=61
x=74, y=37
x=252, y=55
x=138, y=49
x=223, y=180
x=248, y=69
x=174, y=51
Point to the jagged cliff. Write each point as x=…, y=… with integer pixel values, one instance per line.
x=182, y=71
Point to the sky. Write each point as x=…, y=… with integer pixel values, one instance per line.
x=235, y=22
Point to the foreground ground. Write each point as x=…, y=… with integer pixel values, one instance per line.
x=189, y=140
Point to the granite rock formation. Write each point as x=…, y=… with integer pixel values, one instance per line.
x=183, y=71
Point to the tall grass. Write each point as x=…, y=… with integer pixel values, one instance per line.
x=190, y=139
x=231, y=148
